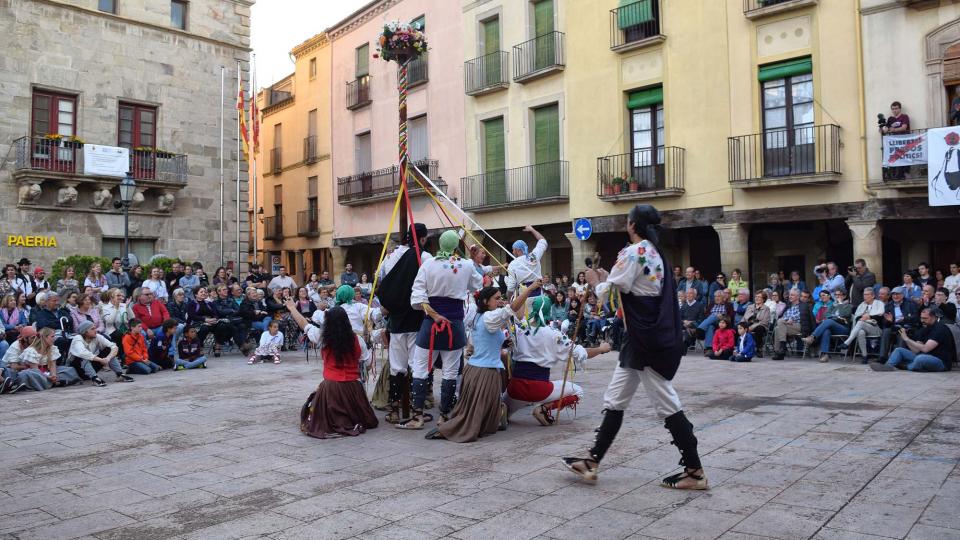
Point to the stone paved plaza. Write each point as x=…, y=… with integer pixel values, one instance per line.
x=793, y=449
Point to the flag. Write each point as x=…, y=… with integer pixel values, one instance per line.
x=254, y=111
x=241, y=115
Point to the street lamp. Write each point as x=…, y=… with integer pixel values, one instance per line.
x=128, y=188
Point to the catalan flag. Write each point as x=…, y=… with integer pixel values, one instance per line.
x=242, y=122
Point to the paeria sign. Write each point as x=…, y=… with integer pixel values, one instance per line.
x=31, y=241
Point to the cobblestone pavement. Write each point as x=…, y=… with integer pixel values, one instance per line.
x=793, y=449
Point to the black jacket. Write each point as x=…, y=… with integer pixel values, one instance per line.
x=198, y=311
x=910, y=311
x=178, y=311
x=858, y=283
x=692, y=312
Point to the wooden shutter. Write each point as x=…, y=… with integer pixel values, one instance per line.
x=363, y=60
x=543, y=17
x=419, y=139
x=362, y=154
x=491, y=36
x=546, y=133
x=494, y=161
x=951, y=64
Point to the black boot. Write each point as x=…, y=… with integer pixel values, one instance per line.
x=587, y=467
x=393, y=396
x=780, y=352
x=428, y=393
x=683, y=438
x=448, y=397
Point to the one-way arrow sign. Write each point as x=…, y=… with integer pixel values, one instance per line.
x=582, y=228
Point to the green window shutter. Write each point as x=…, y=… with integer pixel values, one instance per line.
x=543, y=17
x=645, y=98
x=634, y=13
x=494, y=162
x=546, y=141
x=789, y=68
x=363, y=60
x=491, y=36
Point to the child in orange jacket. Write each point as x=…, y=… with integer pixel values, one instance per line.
x=135, y=350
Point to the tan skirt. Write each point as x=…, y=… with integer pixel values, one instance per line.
x=478, y=411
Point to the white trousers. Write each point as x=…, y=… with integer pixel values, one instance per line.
x=513, y=405
x=659, y=390
x=451, y=363
x=401, y=351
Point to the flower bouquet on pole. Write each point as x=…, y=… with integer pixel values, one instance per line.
x=401, y=42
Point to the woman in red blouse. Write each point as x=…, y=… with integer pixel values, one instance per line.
x=339, y=406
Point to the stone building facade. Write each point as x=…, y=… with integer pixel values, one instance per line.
x=140, y=75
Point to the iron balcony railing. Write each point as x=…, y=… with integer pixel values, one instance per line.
x=750, y=7
x=65, y=156
x=307, y=224
x=542, y=183
x=900, y=174
x=634, y=22
x=781, y=153
x=276, y=164
x=358, y=92
x=310, y=149
x=375, y=185
x=641, y=173
x=538, y=56
x=273, y=228
x=417, y=72
x=487, y=73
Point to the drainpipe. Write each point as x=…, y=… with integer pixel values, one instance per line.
x=864, y=172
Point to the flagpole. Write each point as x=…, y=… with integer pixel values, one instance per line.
x=239, y=157
x=222, y=90
x=253, y=96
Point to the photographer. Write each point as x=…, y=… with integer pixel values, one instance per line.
x=828, y=276
x=859, y=278
x=897, y=122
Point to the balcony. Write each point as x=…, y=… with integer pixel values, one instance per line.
x=635, y=25
x=382, y=184
x=538, y=57
x=307, y=223
x=912, y=178
x=276, y=164
x=273, y=228
x=486, y=74
x=39, y=155
x=805, y=155
x=544, y=183
x=638, y=175
x=417, y=72
x=310, y=154
x=358, y=93
x=755, y=9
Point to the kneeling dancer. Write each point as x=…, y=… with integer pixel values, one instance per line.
x=441, y=285
x=479, y=410
x=651, y=353
x=537, y=348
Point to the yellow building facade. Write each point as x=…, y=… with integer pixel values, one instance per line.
x=295, y=188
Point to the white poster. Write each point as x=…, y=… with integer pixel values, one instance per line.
x=105, y=160
x=904, y=150
x=943, y=168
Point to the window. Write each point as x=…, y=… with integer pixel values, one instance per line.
x=543, y=28
x=312, y=205
x=489, y=47
x=363, y=164
x=53, y=113
x=419, y=139
x=292, y=264
x=310, y=145
x=142, y=248
x=313, y=68
x=312, y=123
x=546, y=150
x=494, y=161
x=363, y=60
x=646, y=136
x=178, y=14
x=277, y=212
x=108, y=6
x=138, y=126
x=788, y=131
x=420, y=22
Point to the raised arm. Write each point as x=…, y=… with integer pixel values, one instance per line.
x=519, y=302
x=536, y=234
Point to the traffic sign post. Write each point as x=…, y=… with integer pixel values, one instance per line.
x=582, y=228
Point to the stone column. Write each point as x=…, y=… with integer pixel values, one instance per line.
x=868, y=244
x=734, y=248
x=339, y=255
x=581, y=250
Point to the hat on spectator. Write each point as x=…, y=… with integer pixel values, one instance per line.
x=897, y=290
x=84, y=326
x=28, y=332
x=23, y=261
x=38, y=270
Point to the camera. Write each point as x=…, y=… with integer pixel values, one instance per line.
x=851, y=269
x=881, y=120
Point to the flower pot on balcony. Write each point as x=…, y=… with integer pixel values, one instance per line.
x=617, y=188
x=164, y=154
x=607, y=190
x=634, y=186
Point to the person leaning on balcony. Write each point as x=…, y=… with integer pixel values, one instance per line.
x=897, y=122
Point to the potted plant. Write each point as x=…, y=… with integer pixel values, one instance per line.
x=633, y=183
x=72, y=142
x=607, y=188
x=617, y=185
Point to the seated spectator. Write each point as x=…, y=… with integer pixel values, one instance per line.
x=202, y=314
x=113, y=312
x=775, y=285
x=570, y=325
x=157, y=286
x=160, y=344
x=188, y=282
x=797, y=320
x=828, y=276
x=257, y=278
x=691, y=315
x=221, y=277
x=740, y=305
x=312, y=284
x=151, y=311
x=14, y=319
x=15, y=376
x=365, y=286
x=37, y=364
x=190, y=351
x=282, y=280
x=822, y=306
x=136, y=279
x=941, y=296
x=719, y=308
x=911, y=291
x=580, y=286
x=86, y=311
x=49, y=314
x=949, y=318
x=758, y=318
x=927, y=292
x=724, y=341
x=135, y=354
x=775, y=303
x=325, y=281
x=835, y=320
x=952, y=283
x=898, y=313
x=737, y=282
x=270, y=343
x=883, y=295
x=923, y=276
x=934, y=350
x=116, y=277
x=177, y=306
x=88, y=347
x=866, y=322
x=349, y=277
x=254, y=311
x=228, y=313
x=592, y=318
x=69, y=282
x=172, y=278
x=795, y=282
x=746, y=348
x=559, y=309
x=718, y=284
x=96, y=279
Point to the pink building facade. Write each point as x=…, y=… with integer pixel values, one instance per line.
x=365, y=121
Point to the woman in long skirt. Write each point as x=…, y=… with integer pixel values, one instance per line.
x=339, y=406
x=480, y=410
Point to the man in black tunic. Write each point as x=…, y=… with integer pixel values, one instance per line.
x=651, y=353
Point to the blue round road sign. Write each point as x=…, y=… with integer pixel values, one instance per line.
x=582, y=228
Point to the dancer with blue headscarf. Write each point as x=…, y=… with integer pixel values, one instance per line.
x=524, y=269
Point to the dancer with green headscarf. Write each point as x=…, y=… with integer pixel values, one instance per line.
x=357, y=312
x=440, y=290
x=537, y=348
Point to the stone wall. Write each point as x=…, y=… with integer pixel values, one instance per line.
x=133, y=56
